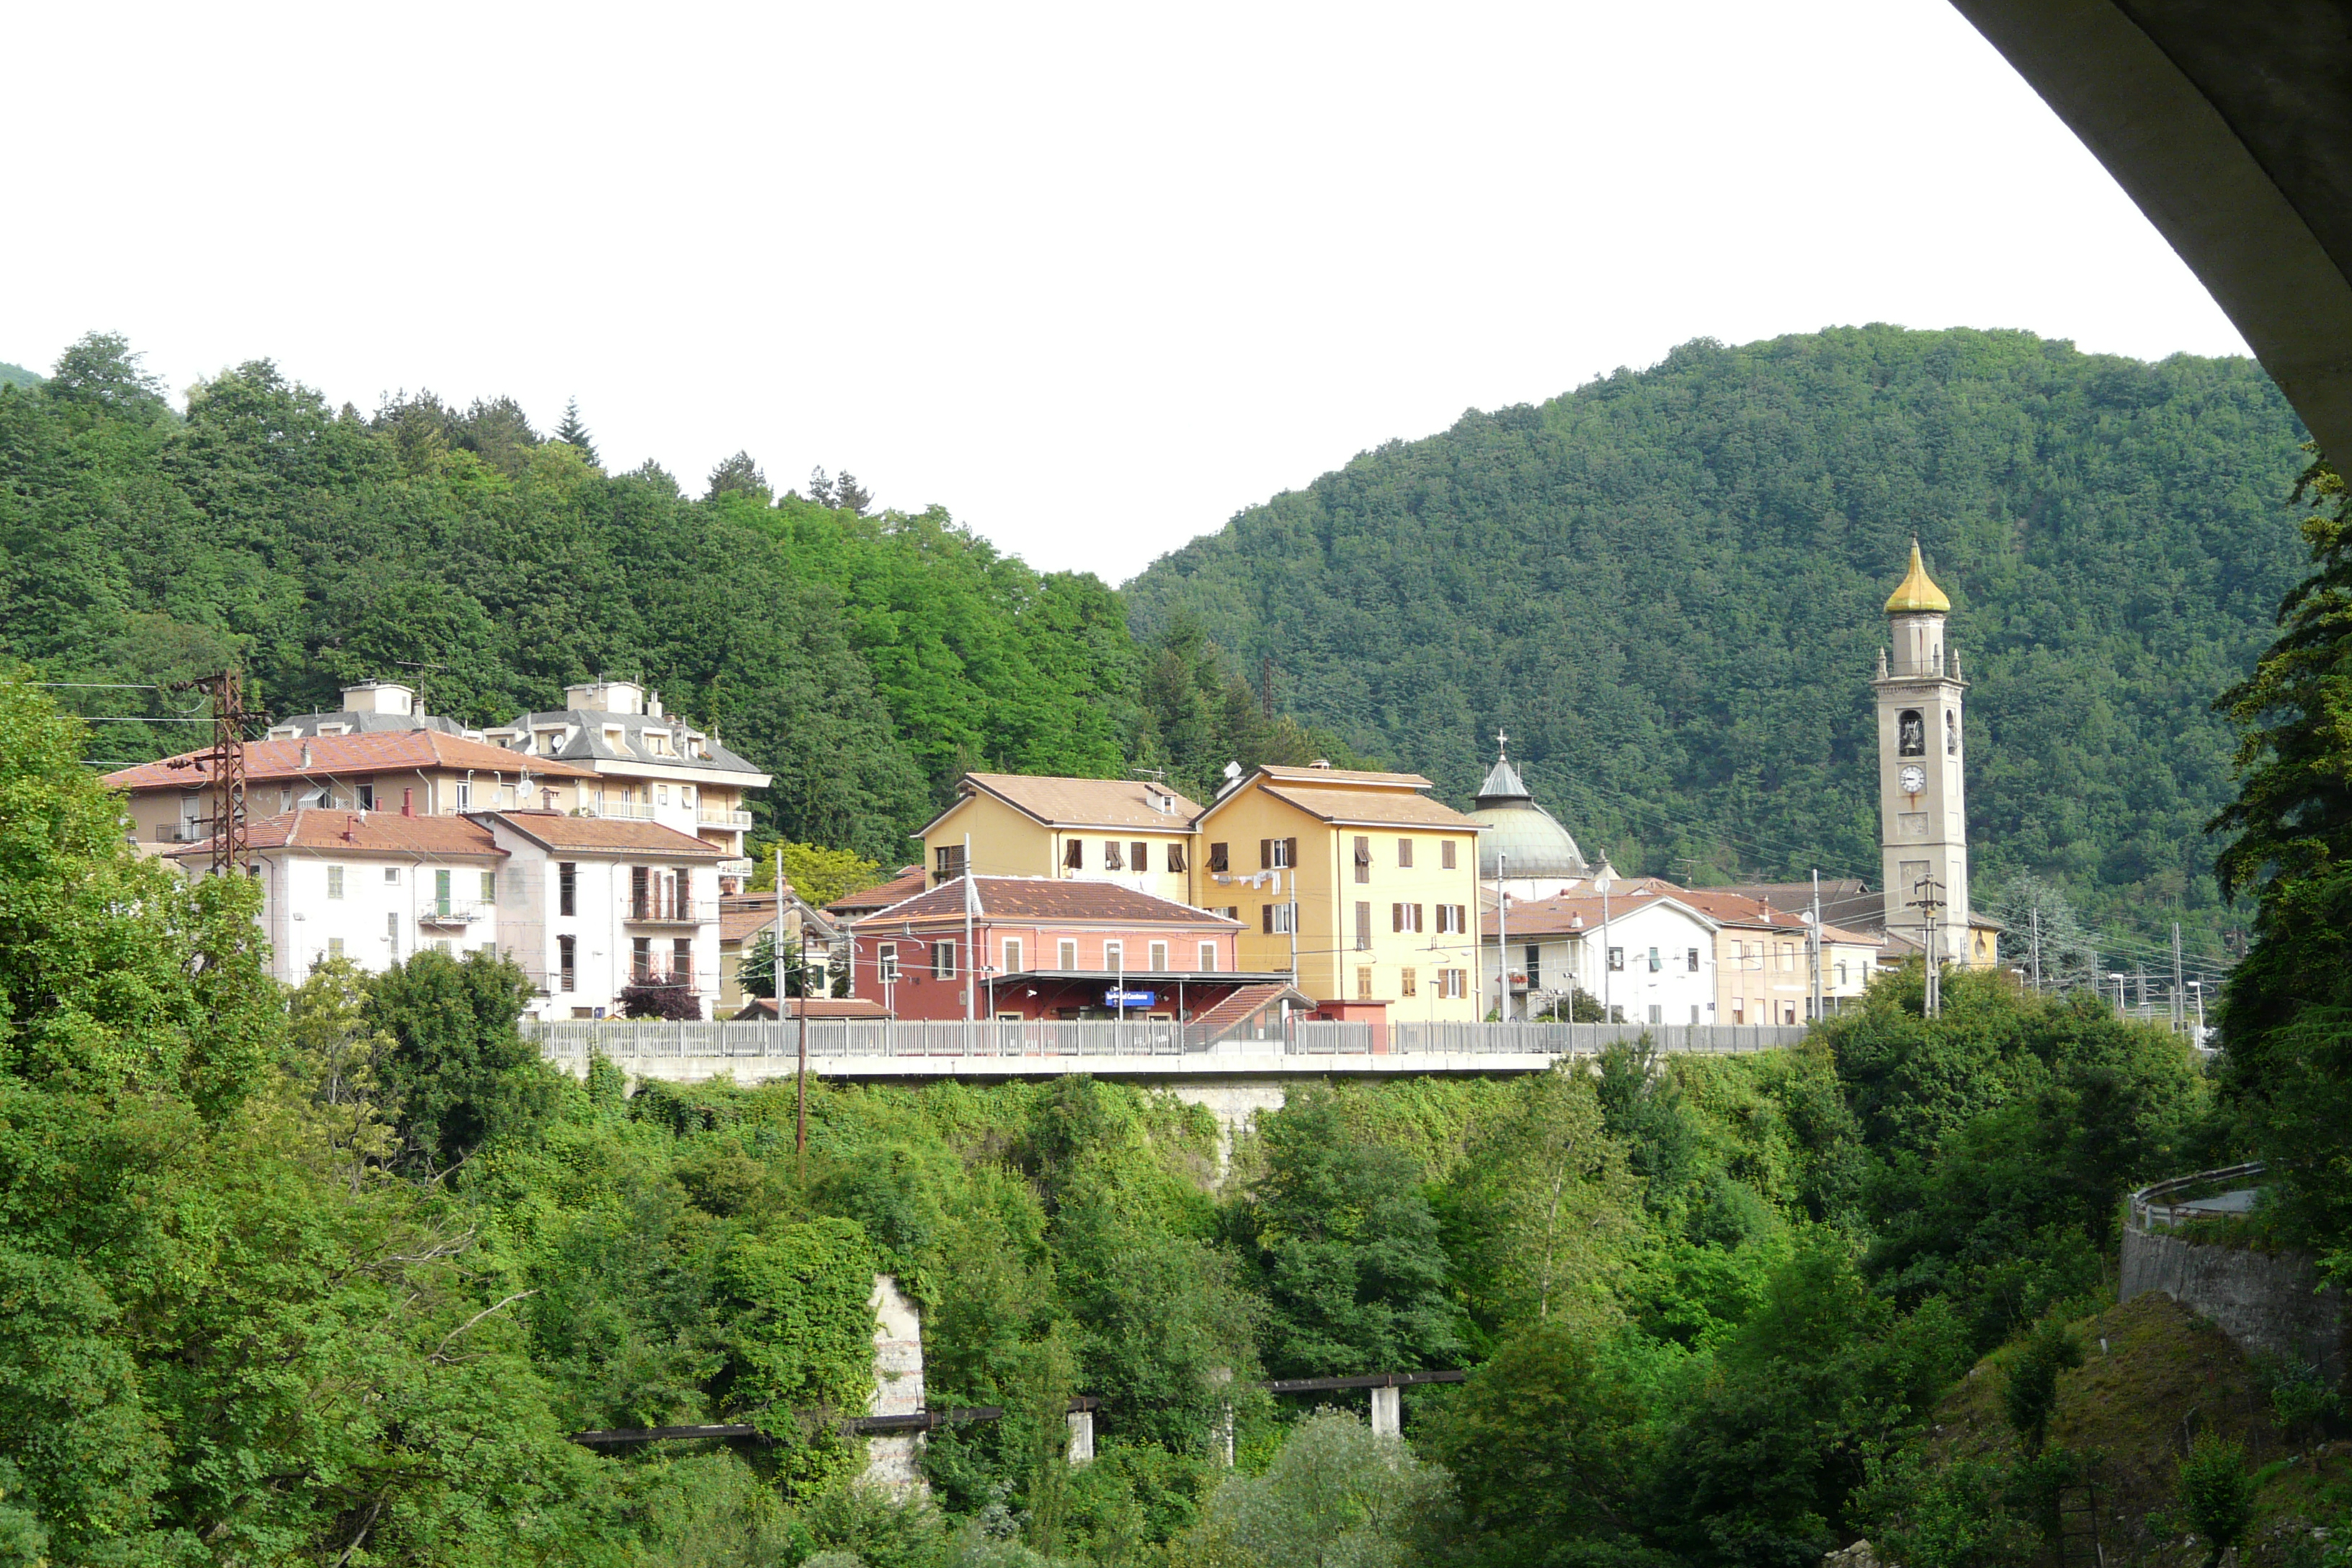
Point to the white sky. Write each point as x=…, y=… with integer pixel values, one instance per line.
x=1092, y=277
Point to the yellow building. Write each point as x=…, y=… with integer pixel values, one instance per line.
x=1132, y=832
x=1358, y=882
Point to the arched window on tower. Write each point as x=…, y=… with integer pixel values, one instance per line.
x=1911, y=734
x=1951, y=733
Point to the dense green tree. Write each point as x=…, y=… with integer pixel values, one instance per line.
x=2286, y=1016
x=116, y=976
x=459, y=1070
x=1339, y=1496
x=1347, y=1250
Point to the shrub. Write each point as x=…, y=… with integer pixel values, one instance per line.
x=2217, y=1495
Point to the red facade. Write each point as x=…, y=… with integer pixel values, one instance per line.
x=1046, y=949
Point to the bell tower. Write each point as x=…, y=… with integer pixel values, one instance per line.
x=1922, y=796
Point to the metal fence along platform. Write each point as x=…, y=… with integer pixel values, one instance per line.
x=860, y=1048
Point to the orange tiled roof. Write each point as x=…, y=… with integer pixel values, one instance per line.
x=338, y=755
x=1398, y=808
x=1052, y=899
x=1559, y=916
x=905, y=885
x=1086, y=803
x=362, y=833
x=605, y=836
x=1342, y=776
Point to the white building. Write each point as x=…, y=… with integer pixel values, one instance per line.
x=1645, y=956
x=650, y=765
x=608, y=904
x=617, y=753
x=371, y=886
x=586, y=906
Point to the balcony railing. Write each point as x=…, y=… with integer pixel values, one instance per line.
x=449, y=912
x=686, y=912
x=181, y=832
x=724, y=818
x=620, y=811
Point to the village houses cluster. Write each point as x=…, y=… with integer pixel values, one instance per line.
x=602, y=847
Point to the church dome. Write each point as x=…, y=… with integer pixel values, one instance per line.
x=1530, y=840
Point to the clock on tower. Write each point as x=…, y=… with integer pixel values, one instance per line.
x=1923, y=802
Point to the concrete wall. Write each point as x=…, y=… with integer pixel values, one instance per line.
x=2266, y=1302
x=892, y=1459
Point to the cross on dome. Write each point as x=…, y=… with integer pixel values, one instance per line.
x=1502, y=744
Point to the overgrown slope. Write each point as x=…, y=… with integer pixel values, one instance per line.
x=1666, y=586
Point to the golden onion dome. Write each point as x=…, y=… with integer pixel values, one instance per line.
x=1918, y=593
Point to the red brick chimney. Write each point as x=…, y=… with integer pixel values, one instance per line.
x=408, y=803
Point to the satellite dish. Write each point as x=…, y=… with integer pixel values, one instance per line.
x=1233, y=771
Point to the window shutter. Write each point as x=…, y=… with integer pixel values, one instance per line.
x=1176, y=858
x=1220, y=857
x=1416, y=917
x=1073, y=854
x=1140, y=854
x=1363, y=851
x=1265, y=854
x=1290, y=851
x=1396, y=917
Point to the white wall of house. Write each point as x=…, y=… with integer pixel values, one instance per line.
x=603, y=938
x=1663, y=972
x=374, y=910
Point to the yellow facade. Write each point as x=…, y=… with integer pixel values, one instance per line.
x=1369, y=928
x=1009, y=842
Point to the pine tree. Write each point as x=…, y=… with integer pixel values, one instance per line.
x=820, y=487
x=851, y=496
x=572, y=431
x=738, y=473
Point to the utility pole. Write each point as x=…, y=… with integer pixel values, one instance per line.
x=1930, y=900
x=2037, y=950
x=2179, y=1017
x=971, y=959
x=1502, y=943
x=232, y=851
x=800, y=1079
x=1817, y=944
x=1608, y=1011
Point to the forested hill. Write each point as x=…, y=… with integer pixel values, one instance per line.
x=1666, y=586
x=866, y=660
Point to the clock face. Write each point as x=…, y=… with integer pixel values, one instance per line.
x=1915, y=779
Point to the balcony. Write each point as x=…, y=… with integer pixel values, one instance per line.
x=617, y=811
x=710, y=817
x=448, y=912
x=183, y=832
x=664, y=913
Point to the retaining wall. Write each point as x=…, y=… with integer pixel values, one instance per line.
x=2266, y=1303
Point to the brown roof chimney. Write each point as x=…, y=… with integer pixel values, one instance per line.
x=408, y=803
